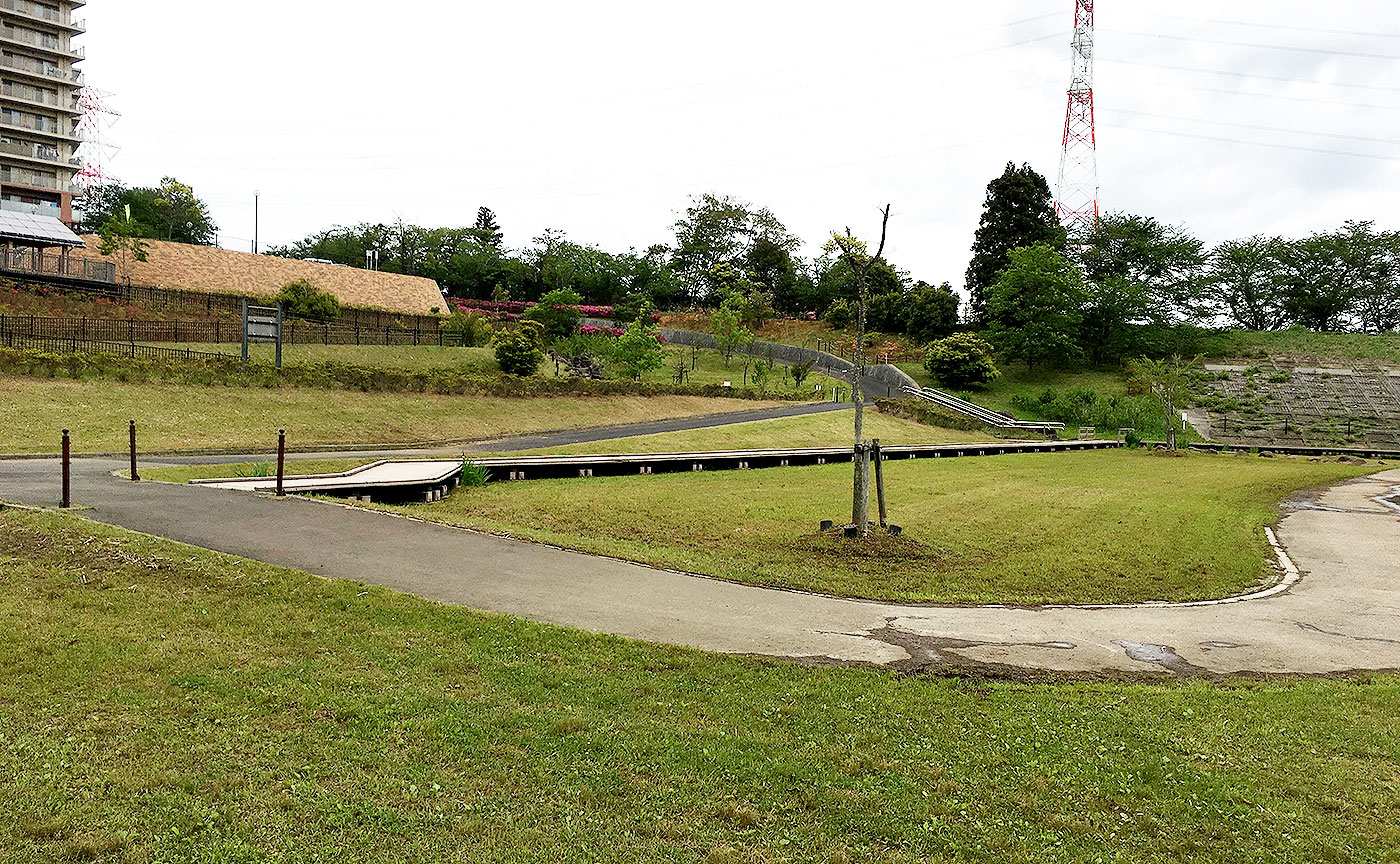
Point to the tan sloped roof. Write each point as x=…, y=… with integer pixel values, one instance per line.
x=222, y=271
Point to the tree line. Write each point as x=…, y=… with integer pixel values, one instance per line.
x=1134, y=285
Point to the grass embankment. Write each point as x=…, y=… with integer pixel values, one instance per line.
x=1093, y=527
x=163, y=703
x=178, y=416
x=1301, y=345
x=814, y=430
x=416, y=357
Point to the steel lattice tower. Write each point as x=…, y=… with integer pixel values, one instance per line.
x=1077, y=195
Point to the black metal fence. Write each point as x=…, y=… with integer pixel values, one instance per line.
x=59, y=345
x=134, y=332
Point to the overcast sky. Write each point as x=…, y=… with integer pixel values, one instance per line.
x=602, y=118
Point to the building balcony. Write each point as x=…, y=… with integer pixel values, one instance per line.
x=10, y=177
x=46, y=73
x=41, y=154
x=44, y=14
x=32, y=41
x=33, y=98
x=38, y=208
x=36, y=126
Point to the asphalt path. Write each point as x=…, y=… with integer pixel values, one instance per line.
x=1341, y=615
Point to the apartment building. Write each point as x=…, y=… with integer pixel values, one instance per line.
x=39, y=111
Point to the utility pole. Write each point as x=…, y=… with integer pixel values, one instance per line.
x=256, y=193
x=1077, y=193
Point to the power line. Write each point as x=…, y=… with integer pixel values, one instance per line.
x=1274, y=146
x=1291, y=27
x=1259, y=128
x=1331, y=52
x=1333, y=102
x=1253, y=75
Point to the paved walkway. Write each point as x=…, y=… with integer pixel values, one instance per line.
x=1343, y=616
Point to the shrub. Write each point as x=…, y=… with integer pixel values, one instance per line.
x=475, y=329
x=961, y=361
x=518, y=353
x=302, y=299
x=1080, y=406
x=839, y=314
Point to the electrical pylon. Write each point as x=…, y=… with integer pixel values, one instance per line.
x=96, y=151
x=1077, y=194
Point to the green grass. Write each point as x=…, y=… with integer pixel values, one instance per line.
x=176, y=416
x=813, y=430
x=1017, y=380
x=395, y=356
x=1343, y=348
x=1090, y=527
x=163, y=703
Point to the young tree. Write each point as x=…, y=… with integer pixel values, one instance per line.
x=1019, y=211
x=860, y=261
x=638, y=349
x=730, y=335
x=1034, y=310
x=120, y=240
x=1172, y=381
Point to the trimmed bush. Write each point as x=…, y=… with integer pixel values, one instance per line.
x=518, y=352
x=302, y=299
x=961, y=361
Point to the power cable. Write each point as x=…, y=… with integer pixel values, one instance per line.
x=1228, y=74
x=1330, y=52
x=1274, y=146
x=1292, y=27
x=1259, y=128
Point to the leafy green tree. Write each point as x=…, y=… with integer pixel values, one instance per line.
x=931, y=313
x=638, y=350
x=839, y=314
x=1370, y=267
x=120, y=240
x=556, y=313
x=770, y=264
x=1243, y=279
x=715, y=230
x=961, y=361
x=1316, y=281
x=730, y=335
x=1162, y=265
x=171, y=211
x=518, y=352
x=1019, y=211
x=1035, y=309
x=302, y=299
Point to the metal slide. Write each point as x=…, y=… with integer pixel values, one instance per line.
x=977, y=412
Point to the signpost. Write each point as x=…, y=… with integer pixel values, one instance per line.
x=262, y=324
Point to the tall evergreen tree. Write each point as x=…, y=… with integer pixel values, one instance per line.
x=486, y=228
x=1019, y=212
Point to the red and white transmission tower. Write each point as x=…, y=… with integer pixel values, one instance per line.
x=96, y=150
x=1077, y=195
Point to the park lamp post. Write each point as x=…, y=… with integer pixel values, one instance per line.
x=256, y=194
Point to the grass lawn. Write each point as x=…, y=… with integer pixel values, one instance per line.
x=814, y=430
x=163, y=703
x=1091, y=527
x=1343, y=348
x=174, y=416
x=395, y=356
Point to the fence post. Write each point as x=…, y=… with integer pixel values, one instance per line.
x=134, y=476
x=67, y=454
x=281, y=459
x=879, y=458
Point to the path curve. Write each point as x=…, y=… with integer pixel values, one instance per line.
x=1342, y=616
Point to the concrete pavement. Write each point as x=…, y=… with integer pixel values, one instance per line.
x=1342, y=616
